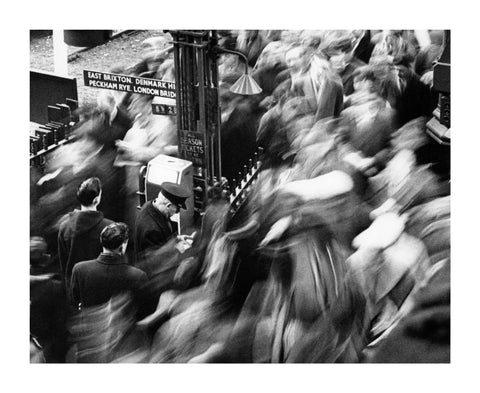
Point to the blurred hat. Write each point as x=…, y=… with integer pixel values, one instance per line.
x=175, y=193
x=382, y=233
x=321, y=187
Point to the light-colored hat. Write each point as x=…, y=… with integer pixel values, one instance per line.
x=321, y=187
x=383, y=232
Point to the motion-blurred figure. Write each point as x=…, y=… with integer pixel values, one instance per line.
x=269, y=65
x=339, y=51
x=251, y=44
x=427, y=55
x=368, y=123
x=363, y=46
x=423, y=334
x=390, y=266
x=312, y=77
x=48, y=305
x=310, y=309
x=107, y=333
x=154, y=51
x=240, y=118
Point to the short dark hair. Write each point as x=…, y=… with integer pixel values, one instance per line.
x=88, y=190
x=114, y=235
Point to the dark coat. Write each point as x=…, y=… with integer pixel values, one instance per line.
x=423, y=334
x=416, y=99
x=252, y=48
x=238, y=137
x=364, y=49
x=95, y=282
x=79, y=239
x=152, y=229
x=373, y=137
x=267, y=77
x=329, y=101
x=48, y=314
x=347, y=75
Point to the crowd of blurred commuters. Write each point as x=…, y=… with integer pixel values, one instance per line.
x=343, y=251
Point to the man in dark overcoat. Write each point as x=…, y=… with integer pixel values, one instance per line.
x=79, y=232
x=96, y=281
x=153, y=227
x=110, y=296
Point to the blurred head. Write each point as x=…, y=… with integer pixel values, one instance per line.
x=311, y=39
x=230, y=68
x=274, y=35
x=107, y=101
x=272, y=54
x=295, y=108
x=114, y=237
x=295, y=59
x=363, y=79
x=374, y=79
x=436, y=36
x=89, y=192
x=394, y=49
x=291, y=36
x=38, y=251
x=252, y=33
x=153, y=49
x=339, y=51
x=216, y=193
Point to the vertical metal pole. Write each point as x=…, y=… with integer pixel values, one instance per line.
x=201, y=88
x=216, y=114
x=60, y=53
x=197, y=97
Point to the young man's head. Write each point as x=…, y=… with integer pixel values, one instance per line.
x=114, y=238
x=89, y=192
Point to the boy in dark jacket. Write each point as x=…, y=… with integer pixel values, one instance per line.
x=79, y=232
x=96, y=281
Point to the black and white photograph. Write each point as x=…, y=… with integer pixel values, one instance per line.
x=242, y=205
x=240, y=196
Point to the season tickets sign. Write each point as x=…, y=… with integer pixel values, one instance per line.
x=129, y=83
x=192, y=147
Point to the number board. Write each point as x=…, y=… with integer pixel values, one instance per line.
x=164, y=109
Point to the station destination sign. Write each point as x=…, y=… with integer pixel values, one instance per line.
x=129, y=83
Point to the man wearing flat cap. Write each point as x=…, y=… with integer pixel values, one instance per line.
x=153, y=227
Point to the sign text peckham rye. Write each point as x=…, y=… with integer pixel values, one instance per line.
x=129, y=83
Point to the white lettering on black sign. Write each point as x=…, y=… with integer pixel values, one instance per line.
x=192, y=147
x=128, y=83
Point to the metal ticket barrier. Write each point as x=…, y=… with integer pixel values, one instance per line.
x=45, y=138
